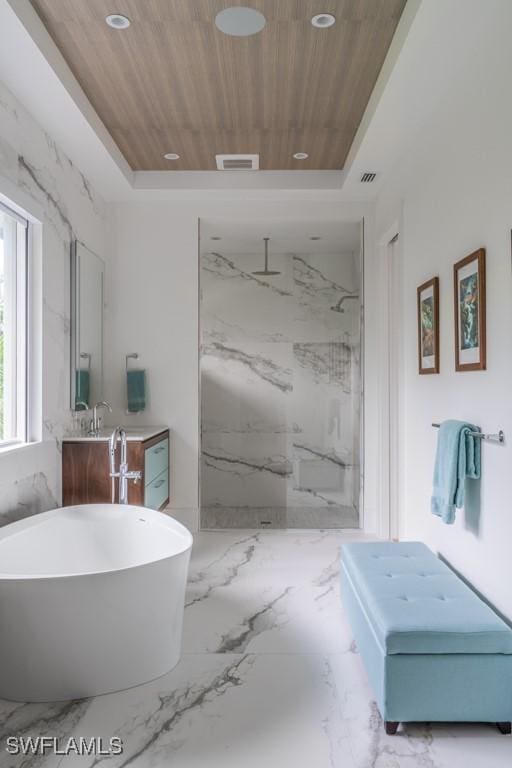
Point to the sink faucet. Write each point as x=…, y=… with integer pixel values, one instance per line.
x=96, y=419
x=123, y=473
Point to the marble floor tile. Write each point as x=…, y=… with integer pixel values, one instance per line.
x=269, y=676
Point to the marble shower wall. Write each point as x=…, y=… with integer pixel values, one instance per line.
x=280, y=391
x=36, y=175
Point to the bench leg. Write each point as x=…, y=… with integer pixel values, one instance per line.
x=391, y=727
x=505, y=728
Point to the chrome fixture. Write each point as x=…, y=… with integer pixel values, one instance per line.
x=490, y=438
x=124, y=474
x=96, y=419
x=131, y=356
x=337, y=307
x=266, y=270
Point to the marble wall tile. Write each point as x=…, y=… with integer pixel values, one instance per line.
x=245, y=386
x=34, y=172
x=320, y=283
x=237, y=305
x=242, y=469
x=280, y=387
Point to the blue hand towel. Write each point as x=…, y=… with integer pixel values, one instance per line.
x=136, y=389
x=457, y=457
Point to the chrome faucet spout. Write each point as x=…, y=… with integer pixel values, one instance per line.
x=96, y=418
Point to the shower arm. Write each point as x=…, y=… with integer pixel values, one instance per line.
x=337, y=307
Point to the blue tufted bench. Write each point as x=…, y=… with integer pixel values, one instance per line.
x=433, y=650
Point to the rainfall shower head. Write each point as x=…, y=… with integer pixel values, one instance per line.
x=338, y=307
x=266, y=271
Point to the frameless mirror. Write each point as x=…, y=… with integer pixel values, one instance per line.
x=87, y=277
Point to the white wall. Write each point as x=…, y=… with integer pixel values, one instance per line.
x=152, y=309
x=454, y=186
x=38, y=177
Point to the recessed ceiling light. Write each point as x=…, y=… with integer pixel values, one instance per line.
x=171, y=156
x=116, y=21
x=323, y=20
x=240, y=21
x=216, y=237
x=301, y=156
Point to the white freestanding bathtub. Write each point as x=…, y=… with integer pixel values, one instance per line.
x=91, y=600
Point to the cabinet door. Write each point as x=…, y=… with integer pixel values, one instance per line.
x=156, y=460
x=157, y=492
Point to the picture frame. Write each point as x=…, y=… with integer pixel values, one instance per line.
x=470, y=312
x=428, y=326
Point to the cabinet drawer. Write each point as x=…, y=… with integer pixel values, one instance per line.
x=156, y=460
x=157, y=492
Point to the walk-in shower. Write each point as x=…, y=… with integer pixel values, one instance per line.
x=280, y=367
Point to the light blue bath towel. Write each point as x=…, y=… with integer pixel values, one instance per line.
x=457, y=457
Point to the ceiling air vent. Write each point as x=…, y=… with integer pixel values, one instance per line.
x=238, y=162
x=368, y=177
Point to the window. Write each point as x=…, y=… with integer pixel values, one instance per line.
x=13, y=326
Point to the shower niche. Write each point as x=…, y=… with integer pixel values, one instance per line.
x=280, y=370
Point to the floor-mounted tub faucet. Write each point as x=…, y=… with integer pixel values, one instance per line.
x=124, y=474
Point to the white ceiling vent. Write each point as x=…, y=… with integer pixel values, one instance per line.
x=368, y=177
x=238, y=162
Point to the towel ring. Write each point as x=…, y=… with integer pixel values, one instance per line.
x=131, y=356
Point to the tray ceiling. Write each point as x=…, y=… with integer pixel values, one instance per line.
x=172, y=82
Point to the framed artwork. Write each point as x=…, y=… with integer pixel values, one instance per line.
x=469, y=301
x=428, y=326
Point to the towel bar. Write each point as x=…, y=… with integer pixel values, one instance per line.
x=499, y=438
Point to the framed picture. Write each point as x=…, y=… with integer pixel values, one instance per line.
x=469, y=300
x=428, y=326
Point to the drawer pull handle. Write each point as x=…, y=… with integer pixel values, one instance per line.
x=159, y=449
x=160, y=482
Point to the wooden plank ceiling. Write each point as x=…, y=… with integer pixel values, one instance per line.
x=172, y=82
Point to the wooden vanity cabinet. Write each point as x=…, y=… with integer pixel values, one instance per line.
x=86, y=474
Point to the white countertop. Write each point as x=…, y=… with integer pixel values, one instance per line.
x=137, y=434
